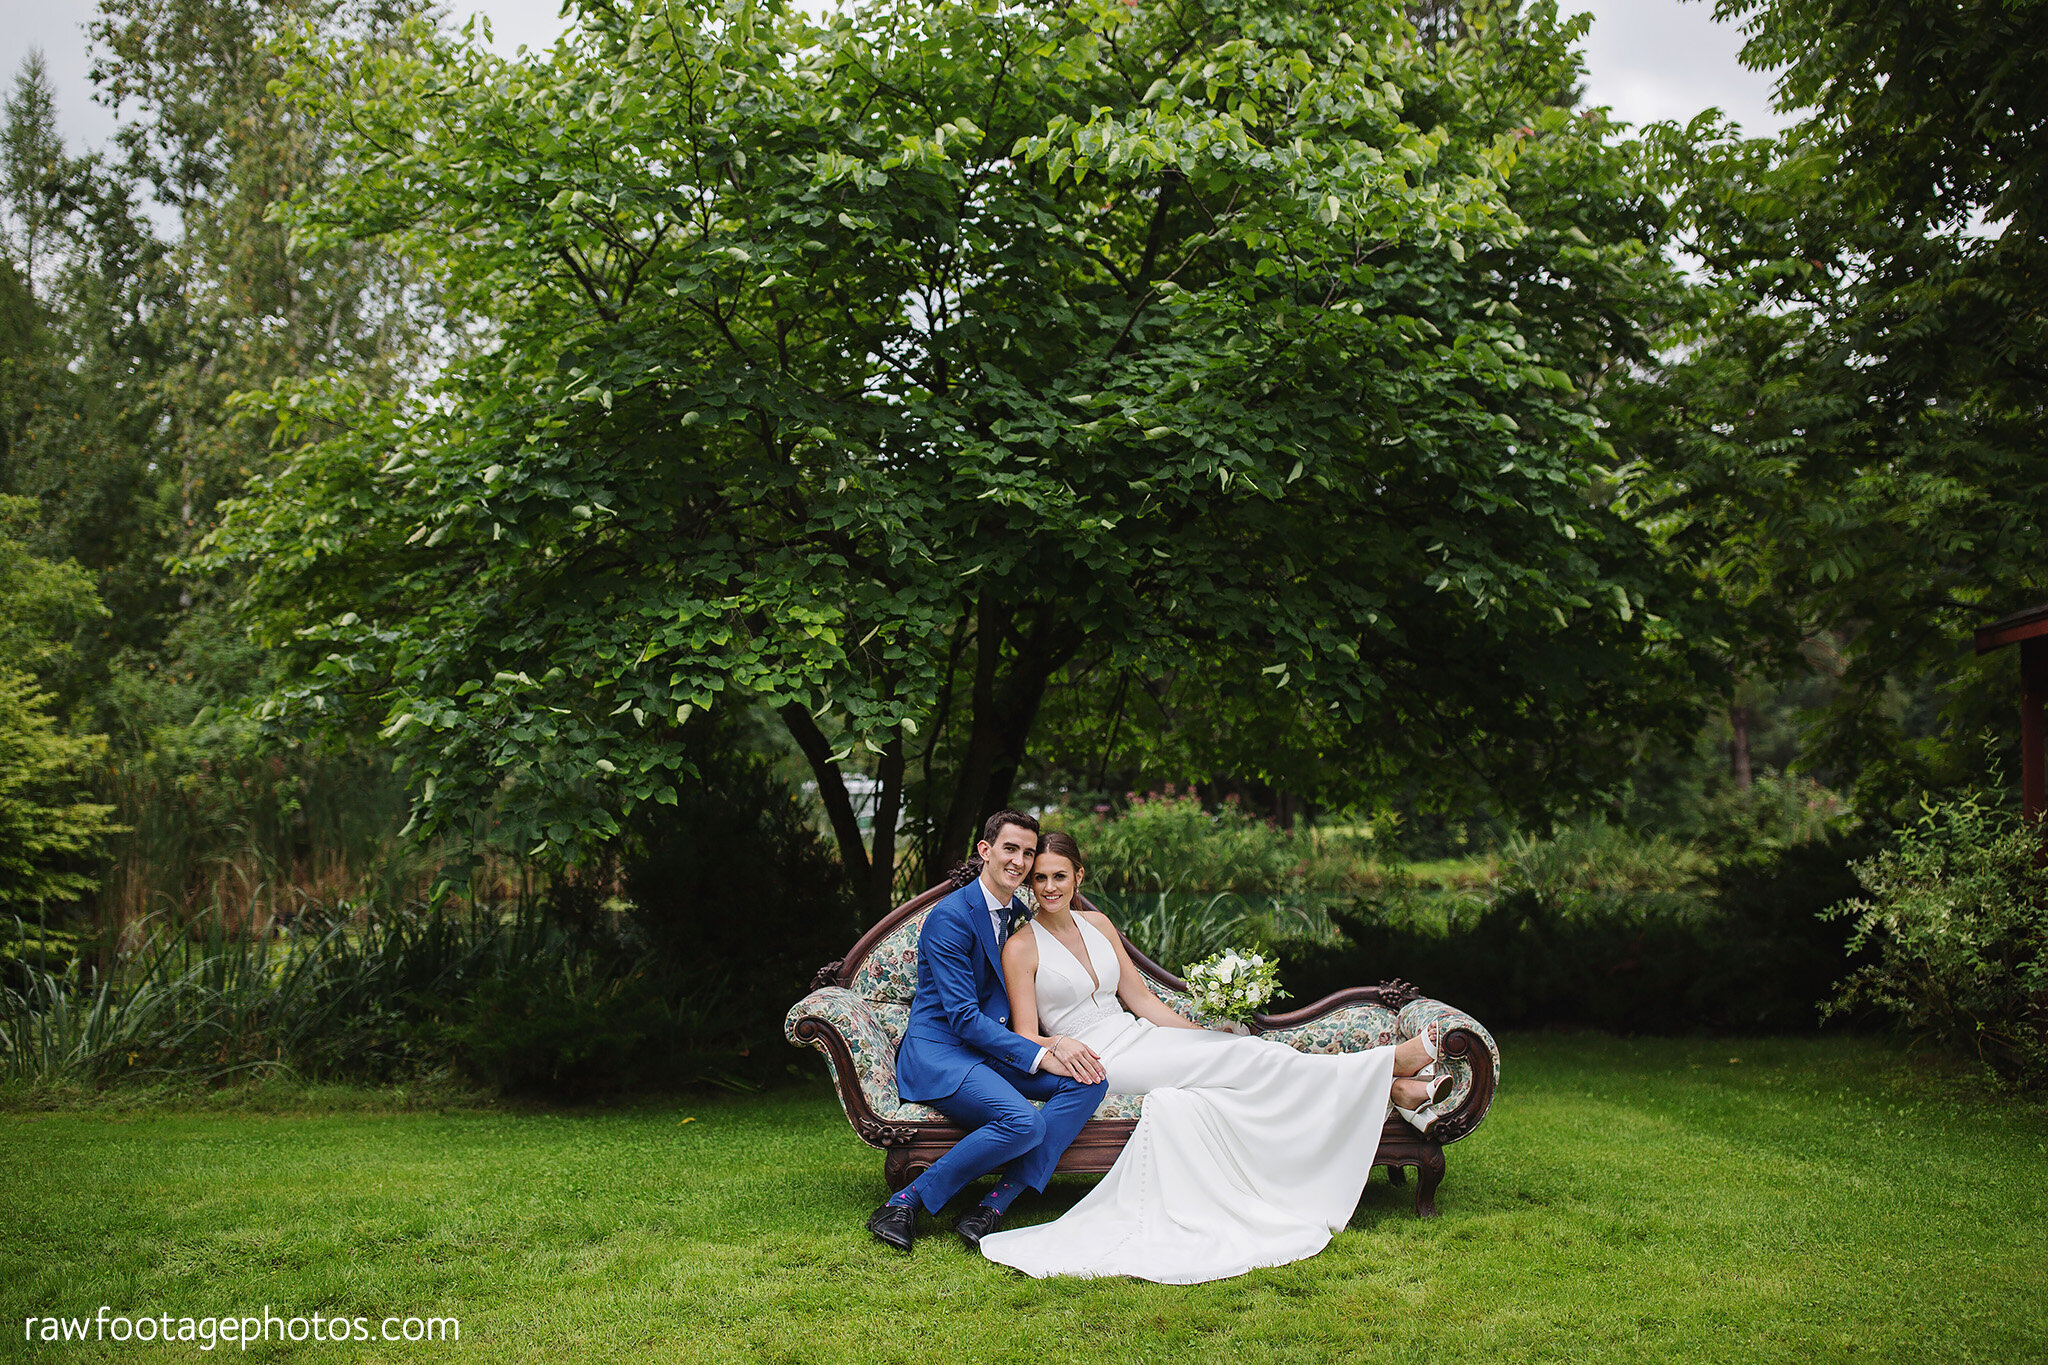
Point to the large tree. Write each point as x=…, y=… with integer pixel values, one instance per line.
x=1851, y=438
x=118, y=367
x=879, y=367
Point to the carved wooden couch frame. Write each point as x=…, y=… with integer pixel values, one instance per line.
x=858, y=1006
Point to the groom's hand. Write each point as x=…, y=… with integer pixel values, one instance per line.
x=1080, y=1062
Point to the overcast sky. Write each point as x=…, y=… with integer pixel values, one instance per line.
x=1647, y=59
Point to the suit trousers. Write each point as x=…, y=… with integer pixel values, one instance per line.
x=1005, y=1130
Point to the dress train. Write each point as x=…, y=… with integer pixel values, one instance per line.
x=1248, y=1153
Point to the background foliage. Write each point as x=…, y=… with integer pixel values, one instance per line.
x=505, y=566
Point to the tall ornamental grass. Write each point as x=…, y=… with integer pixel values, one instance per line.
x=510, y=1000
x=261, y=838
x=1176, y=928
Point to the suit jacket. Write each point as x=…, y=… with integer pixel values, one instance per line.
x=960, y=1014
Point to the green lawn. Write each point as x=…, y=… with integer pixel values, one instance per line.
x=1627, y=1200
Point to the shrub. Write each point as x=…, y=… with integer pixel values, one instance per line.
x=1186, y=882
x=1956, y=909
x=732, y=901
x=1779, y=811
x=210, y=820
x=26, y=949
x=1522, y=960
x=555, y=1014
x=44, y=606
x=1594, y=858
x=733, y=885
x=1772, y=958
x=50, y=835
x=1172, y=843
x=1609, y=938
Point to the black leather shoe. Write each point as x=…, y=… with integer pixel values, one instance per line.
x=977, y=1223
x=895, y=1224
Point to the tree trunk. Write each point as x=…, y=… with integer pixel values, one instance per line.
x=880, y=893
x=964, y=812
x=853, y=850
x=1005, y=708
x=1284, y=807
x=871, y=875
x=1016, y=712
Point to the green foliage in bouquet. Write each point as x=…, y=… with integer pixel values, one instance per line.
x=1957, y=909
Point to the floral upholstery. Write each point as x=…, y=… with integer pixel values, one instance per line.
x=888, y=974
x=871, y=1013
x=1353, y=1028
x=1438, y=1019
x=893, y=1018
x=1120, y=1107
x=871, y=1045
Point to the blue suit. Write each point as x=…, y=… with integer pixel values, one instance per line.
x=959, y=1056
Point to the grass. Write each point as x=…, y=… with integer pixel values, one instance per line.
x=1817, y=1199
x=1453, y=873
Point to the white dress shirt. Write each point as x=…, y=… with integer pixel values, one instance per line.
x=998, y=909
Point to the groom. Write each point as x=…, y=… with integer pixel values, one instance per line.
x=960, y=1057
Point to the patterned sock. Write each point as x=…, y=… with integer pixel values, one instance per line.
x=906, y=1196
x=1003, y=1195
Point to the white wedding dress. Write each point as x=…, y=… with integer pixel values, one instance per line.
x=1247, y=1154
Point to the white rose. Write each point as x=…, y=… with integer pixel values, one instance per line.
x=1226, y=970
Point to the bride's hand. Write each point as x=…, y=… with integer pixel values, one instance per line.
x=1076, y=1059
x=1067, y=1049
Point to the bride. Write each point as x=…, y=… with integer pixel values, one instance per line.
x=1247, y=1154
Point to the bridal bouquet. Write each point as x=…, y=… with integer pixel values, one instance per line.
x=1233, y=985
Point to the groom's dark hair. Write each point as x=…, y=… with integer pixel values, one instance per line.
x=993, y=826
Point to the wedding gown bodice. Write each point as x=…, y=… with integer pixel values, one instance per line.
x=1069, y=1001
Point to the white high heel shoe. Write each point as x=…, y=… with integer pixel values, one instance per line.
x=1428, y=1070
x=1423, y=1118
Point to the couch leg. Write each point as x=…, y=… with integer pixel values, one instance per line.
x=1397, y=1175
x=1430, y=1171
x=896, y=1168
